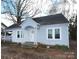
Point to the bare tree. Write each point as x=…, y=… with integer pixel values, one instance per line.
x=54, y=7
x=17, y=9
x=53, y=10
x=71, y=15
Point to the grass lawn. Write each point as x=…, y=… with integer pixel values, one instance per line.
x=18, y=52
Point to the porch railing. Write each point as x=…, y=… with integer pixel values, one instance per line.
x=6, y=38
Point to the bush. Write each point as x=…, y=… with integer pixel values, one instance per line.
x=19, y=44
x=7, y=42
x=73, y=32
x=41, y=45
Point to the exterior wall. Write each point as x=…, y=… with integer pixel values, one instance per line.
x=27, y=22
x=24, y=38
x=42, y=35
x=14, y=36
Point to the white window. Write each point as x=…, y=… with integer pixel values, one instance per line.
x=57, y=33
x=50, y=34
x=19, y=34
x=54, y=33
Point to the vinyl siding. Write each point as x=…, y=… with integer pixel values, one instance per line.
x=42, y=35
x=28, y=22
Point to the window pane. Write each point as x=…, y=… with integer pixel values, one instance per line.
x=57, y=33
x=50, y=33
x=18, y=34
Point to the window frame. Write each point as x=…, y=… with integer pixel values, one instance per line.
x=53, y=31
x=59, y=32
x=20, y=34
x=48, y=34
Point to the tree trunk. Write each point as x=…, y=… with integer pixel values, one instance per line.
x=18, y=20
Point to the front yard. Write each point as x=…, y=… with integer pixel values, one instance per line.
x=17, y=52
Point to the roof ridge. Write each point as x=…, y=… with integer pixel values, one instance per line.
x=48, y=15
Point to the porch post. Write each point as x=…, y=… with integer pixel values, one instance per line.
x=4, y=35
x=35, y=36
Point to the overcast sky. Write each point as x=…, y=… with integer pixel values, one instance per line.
x=44, y=7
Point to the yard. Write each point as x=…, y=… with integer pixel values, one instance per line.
x=17, y=52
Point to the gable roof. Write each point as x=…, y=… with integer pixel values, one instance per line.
x=46, y=20
x=2, y=24
x=51, y=19
x=13, y=26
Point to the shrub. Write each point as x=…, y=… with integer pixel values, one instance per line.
x=7, y=42
x=19, y=44
x=41, y=45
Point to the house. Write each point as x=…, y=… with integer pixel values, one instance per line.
x=4, y=35
x=49, y=30
x=3, y=26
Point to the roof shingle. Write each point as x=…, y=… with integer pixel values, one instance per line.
x=51, y=19
x=13, y=26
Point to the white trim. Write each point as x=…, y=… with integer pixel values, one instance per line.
x=60, y=33
x=53, y=30
x=20, y=34
x=52, y=34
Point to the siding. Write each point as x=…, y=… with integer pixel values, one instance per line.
x=14, y=36
x=42, y=35
x=27, y=22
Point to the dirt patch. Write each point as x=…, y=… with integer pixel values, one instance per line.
x=16, y=52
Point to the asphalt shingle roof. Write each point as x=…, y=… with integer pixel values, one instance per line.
x=13, y=26
x=3, y=24
x=51, y=19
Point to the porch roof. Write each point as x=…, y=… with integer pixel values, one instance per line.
x=13, y=26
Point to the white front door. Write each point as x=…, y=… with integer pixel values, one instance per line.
x=31, y=35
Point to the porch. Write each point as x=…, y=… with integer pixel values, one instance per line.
x=6, y=36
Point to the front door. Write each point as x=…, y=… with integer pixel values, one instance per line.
x=31, y=34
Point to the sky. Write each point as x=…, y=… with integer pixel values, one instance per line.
x=44, y=7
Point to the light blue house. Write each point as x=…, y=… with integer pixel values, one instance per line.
x=49, y=30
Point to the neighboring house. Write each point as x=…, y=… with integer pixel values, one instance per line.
x=3, y=26
x=5, y=36
x=49, y=30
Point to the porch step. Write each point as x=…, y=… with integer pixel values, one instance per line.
x=28, y=44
